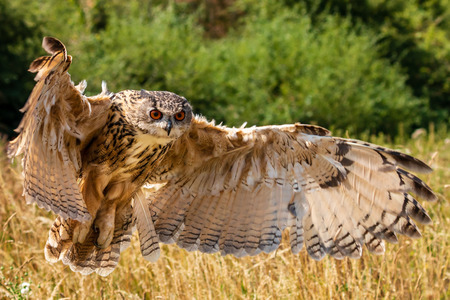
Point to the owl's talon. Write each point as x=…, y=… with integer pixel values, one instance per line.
x=81, y=231
x=104, y=226
x=105, y=236
x=104, y=239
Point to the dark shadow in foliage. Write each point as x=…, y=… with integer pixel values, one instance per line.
x=19, y=42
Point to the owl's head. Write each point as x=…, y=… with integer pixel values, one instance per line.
x=162, y=114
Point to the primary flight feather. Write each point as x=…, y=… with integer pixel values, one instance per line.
x=212, y=188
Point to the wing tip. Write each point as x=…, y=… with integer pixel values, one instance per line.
x=412, y=163
x=52, y=45
x=42, y=64
x=104, y=271
x=153, y=256
x=403, y=160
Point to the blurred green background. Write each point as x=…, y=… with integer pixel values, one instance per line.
x=364, y=66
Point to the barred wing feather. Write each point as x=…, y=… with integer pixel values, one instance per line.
x=58, y=120
x=236, y=190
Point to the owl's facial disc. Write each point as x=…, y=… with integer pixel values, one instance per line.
x=164, y=115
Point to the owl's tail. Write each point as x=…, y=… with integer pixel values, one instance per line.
x=86, y=257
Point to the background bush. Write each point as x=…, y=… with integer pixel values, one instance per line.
x=18, y=47
x=363, y=66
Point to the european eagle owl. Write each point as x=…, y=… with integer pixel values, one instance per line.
x=212, y=188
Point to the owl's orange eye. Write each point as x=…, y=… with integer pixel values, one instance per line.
x=156, y=114
x=180, y=116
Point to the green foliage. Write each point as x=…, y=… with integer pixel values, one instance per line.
x=15, y=282
x=367, y=68
x=285, y=70
x=414, y=34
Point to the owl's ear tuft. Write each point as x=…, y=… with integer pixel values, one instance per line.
x=145, y=94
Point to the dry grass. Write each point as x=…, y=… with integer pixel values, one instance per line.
x=416, y=269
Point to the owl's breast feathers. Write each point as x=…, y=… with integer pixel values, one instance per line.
x=123, y=150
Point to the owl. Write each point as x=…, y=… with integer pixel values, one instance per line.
x=142, y=160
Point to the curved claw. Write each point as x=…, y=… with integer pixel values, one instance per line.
x=81, y=231
x=104, y=225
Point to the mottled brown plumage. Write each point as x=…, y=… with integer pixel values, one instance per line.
x=141, y=159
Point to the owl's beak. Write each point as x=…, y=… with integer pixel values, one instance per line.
x=169, y=127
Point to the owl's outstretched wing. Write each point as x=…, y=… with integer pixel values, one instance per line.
x=58, y=121
x=236, y=190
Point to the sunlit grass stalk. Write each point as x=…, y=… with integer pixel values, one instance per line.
x=416, y=269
